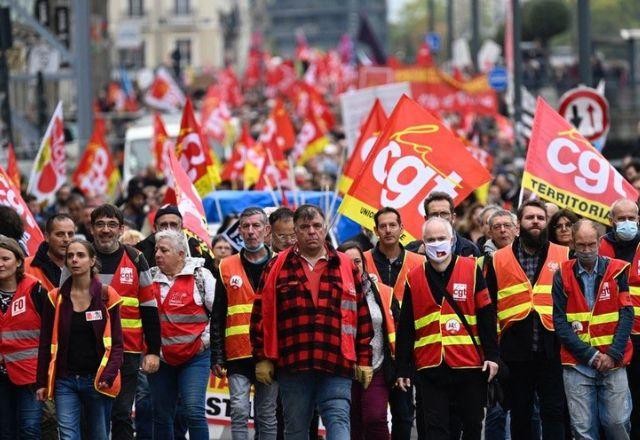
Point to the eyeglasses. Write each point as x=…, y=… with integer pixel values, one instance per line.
x=563, y=226
x=102, y=225
x=498, y=226
x=441, y=214
x=291, y=238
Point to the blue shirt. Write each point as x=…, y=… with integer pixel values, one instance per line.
x=589, y=290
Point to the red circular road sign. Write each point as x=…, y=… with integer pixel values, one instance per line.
x=587, y=110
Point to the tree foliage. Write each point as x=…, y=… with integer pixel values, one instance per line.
x=544, y=19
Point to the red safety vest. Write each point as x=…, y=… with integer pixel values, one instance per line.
x=112, y=300
x=634, y=286
x=386, y=296
x=606, y=249
x=20, y=334
x=410, y=261
x=182, y=321
x=516, y=296
x=596, y=327
x=127, y=283
x=240, y=297
x=348, y=308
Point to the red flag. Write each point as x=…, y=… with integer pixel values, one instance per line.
x=369, y=132
x=187, y=199
x=12, y=166
x=10, y=196
x=411, y=158
x=215, y=114
x=96, y=173
x=164, y=93
x=564, y=168
x=277, y=132
x=49, y=170
x=195, y=155
x=161, y=144
x=311, y=140
x=234, y=168
x=230, y=87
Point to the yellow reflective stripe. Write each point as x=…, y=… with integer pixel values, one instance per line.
x=131, y=323
x=237, y=330
x=634, y=290
x=507, y=313
x=584, y=337
x=582, y=316
x=106, y=341
x=103, y=361
x=426, y=340
x=54, y=348
x=512, y=290
x=602, y=340
x=604, y=318
x=426, y=320
x=636, y=312
x=544, y=310
x=471, y=319
x=129, y=301
x=392, y=337
x=240, y=308
x=459, y=340
x=542, y=288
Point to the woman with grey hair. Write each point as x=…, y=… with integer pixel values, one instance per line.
x=185, y=292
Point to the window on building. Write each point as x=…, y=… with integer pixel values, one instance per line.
x=136, y=8
x=184, y=47
x=183, y=7
x=132, y=59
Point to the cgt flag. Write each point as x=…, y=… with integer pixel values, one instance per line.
x=563, y=167
x=368, y=135
x=50, y=166
x=412, y=157
x=96, y=173
x=10, y=196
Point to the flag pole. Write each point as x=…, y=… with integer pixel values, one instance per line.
x=216, y=200
x=292, y=180
x=343, y=160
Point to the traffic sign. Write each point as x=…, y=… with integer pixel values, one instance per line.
x=434, y=41
x=498, y=78
x=587, y=110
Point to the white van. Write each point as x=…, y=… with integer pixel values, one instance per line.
x=138, y=151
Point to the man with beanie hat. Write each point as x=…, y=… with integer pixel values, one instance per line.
x=169, y=217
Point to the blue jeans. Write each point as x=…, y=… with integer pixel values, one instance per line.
x=20, y=412
x=301, y=392
x=189, y=382
x=496, y=424
x=605, y=398
x=265, y=408
x=144, y=412
x=76, y=398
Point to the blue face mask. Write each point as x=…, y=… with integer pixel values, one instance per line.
x=626, y=230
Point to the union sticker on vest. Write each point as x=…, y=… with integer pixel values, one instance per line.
x=452, y=326
x=93, y=315
x=126, y=275
x=606, y=292
x=459, y=291
x=235, y=281
x=18, y=306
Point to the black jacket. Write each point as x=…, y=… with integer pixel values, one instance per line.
x=42, y=261
x=516, y=342
x=624, y=250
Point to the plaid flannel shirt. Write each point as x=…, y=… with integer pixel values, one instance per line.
x=309, y=334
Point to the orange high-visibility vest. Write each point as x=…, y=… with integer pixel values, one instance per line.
x=439, y=332
x=634, y=287
x=516, y=296
x=606, y=249
x=240, y=297
x=113, y=299
x=182, y=321
x=410, y=261
x=596, y=326
x=386, y=296
x=37, y=273
x=20, y=334
x=348, y=308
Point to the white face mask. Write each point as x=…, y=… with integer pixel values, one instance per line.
x=438, y=251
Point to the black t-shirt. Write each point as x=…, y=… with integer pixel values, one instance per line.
x=83, y=358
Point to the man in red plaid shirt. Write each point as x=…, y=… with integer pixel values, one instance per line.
x=310, y=318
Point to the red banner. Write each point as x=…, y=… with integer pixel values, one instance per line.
x=411, y=159
x=10, y=196
x=162, y=144
x=12, y=166
x=234, y=168
x=369, y=132
x=564, y=168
